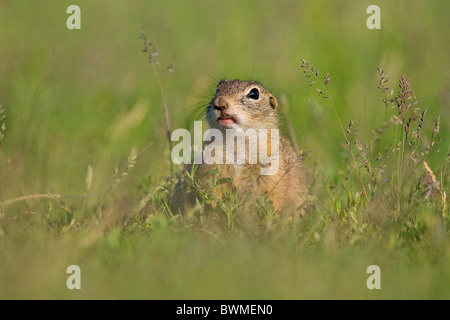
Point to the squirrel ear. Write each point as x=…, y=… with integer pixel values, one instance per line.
x=273, y=102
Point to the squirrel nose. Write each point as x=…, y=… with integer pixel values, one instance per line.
x=220, y=104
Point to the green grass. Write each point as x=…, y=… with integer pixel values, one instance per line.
x=85, y=170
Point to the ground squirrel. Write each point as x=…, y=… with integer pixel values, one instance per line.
x=243, y=105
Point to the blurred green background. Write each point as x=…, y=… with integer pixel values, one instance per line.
x=79, y=98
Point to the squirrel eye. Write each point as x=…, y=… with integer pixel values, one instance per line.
x=253, y=94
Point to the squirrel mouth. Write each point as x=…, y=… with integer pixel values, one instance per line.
x=227, y=120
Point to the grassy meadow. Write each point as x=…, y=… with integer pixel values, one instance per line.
x=86, y=177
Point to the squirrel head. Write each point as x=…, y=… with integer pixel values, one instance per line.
x=242, y=104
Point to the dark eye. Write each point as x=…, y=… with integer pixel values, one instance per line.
x=253, y=94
